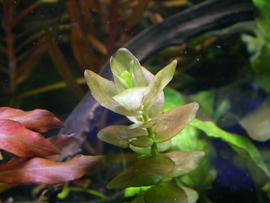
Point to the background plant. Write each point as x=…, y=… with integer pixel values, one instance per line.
x=44, y=45
x=28, y=157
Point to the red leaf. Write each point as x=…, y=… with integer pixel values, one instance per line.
x=38, y=120
x=18, y=140
x=39, y=170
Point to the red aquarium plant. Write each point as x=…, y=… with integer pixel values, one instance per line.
x=35, y=157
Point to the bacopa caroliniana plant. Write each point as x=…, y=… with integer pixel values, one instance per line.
x=138, y=94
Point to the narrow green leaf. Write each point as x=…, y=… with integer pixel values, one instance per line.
x=144, y=172
x=165, y=193
x=162, y=78
x=132, y=191
x=234, y=140
x=119, y=135
x=157, y=106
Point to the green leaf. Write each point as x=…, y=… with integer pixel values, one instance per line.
x=162, y=147
x=132, y=191
x=144, y=172
x=234, y=140
x=165, y=193
x=266, y=189
x=168, y=124
x=139, y=199
x=126, y=70
x=184, y=161
x=172, y=99
x=157, y=106
x=147, y=75
x=263, y=16
x=119, y=135
x=205, y=100
x=155, y=88
x=103, y=91
x=191, y=194
x=142, y=141
x=202, y=177
x=131, y=99
x=263, y=80
x=140, y=150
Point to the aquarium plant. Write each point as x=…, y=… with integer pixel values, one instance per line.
x=28, y=157
x=138, y=94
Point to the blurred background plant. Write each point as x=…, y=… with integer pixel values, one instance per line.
x=45, y=45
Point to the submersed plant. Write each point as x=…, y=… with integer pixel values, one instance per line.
x=138, y=94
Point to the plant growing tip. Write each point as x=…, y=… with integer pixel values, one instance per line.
x=138, y=94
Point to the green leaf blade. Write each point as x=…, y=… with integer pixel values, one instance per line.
x=119, y=135
x=234, y=140
x=144, y=172
x=155, y=88
x=165, y=193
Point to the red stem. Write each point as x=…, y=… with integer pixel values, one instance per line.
x=113, y=25
x=8, y=24
x=26, y=11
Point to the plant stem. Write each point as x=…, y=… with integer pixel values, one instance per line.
x=152, y=135
x=8, y=25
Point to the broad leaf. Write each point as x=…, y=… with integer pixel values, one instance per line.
x=38, y=120
x=191, y=194
x=234, y=140
x=165, y=193
x=120, y=135
x=16, y=139
x=155, y=88
x=144, y=172
x=39, y=170
x=257, y=123
x=147, y=75
x=103, y=91
x=184, y=161
x=131, y=99
x=172, y=122
x=126, y=70
x=142, y=141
